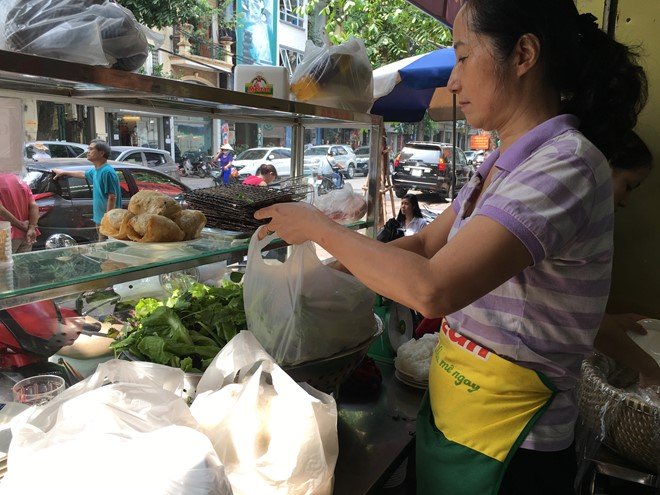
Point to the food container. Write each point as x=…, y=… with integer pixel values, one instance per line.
x=626, y=422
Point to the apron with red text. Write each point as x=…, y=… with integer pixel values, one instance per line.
x=478, y=410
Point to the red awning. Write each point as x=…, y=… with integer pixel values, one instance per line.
x=443, y=10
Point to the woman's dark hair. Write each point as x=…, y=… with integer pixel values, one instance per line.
x=631, y=153
x=599, y=79
x=266, y=169
x=412, y=199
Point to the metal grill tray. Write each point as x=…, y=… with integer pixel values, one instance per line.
x=232, y=207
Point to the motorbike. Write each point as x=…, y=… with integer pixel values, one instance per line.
x=326, y=183
x=195, y=164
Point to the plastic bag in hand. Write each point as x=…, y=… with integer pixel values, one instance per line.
x=126, y=436
x=302, y=310
x=95, y=32
x=338, y=76
x=273, y=435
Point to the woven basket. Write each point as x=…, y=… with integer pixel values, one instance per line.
x=625, y=422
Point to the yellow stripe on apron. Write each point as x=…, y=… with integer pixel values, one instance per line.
x=479, y=409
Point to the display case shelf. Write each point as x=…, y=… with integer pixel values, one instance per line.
x=54, y=273
x=66, y=271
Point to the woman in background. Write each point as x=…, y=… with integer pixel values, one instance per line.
x=265, y=174
x=224, y=159
x=410, y=217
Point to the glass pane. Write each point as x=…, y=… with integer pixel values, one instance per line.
x=79, y=188
x=123, y=183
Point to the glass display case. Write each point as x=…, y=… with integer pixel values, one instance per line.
x=65, y=271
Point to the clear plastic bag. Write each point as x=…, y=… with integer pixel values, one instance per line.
x=342, y=205
x=126, y=435
x=95, y=32
x=273, y=435
x=338, y=76
x=302, y=310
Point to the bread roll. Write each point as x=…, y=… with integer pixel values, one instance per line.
x=191, y=222
x=114, y=223
x=153, y=202
x=149, y=227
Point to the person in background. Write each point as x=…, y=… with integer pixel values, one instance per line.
x=40, y=151
x=224, y=159
x=631, y=164
x=410, y=216
x=17, y=206
x=265, y=174
x=505, y=266
x=106, y=192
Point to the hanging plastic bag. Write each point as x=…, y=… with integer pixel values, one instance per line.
x=338, y=76
x=123, y=424
x=274, y=436
x=94, y=32
x=302, y=310
x=342, y=205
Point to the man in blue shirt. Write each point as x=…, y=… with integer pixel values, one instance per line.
x=106, y=193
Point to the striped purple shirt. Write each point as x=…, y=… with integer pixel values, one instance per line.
x=551, y=189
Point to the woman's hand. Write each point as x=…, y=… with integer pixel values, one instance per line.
x=294, y=222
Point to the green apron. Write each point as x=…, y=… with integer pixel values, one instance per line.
x=478, y=410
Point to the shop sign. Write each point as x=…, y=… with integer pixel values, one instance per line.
x=480, y=142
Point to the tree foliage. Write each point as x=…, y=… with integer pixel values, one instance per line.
x=391, y=29
x=161, y=13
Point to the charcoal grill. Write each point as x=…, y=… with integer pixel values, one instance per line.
x=232, y=207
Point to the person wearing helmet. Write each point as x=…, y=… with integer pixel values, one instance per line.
x=224, y=159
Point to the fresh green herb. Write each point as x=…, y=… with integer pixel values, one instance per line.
x=187, y=330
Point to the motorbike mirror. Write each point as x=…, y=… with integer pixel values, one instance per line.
x=59, y=241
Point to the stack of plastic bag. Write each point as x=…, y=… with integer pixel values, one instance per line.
x=273, y=435
x=133, y=435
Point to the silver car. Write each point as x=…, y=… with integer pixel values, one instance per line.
x=56, y=149
x=160, y=160
x=340, y=153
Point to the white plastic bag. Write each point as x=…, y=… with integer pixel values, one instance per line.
x=133, y=435
x=302, y=310
x=342, y=205
x=94, y=32
x=338, y=76
x=274, y=436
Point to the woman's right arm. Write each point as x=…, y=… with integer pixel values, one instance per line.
x=431, y=238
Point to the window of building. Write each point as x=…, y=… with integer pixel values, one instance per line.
x=289, y=12
x=290, y=58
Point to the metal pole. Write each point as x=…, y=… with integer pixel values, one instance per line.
x=453, y=160
x=297, y=150
x=374, y=174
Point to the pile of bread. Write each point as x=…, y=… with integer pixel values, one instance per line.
x=153, y=217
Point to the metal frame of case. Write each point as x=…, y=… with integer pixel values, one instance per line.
x=67, y=82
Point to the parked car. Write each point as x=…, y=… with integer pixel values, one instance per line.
x=247, y=162
x=341, y=153
x=362, y=160
x=426, y=167
x=65, y=205
x=56, y=149
x=474, y=157
x=160, y=160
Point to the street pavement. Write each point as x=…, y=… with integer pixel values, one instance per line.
x=429, y=201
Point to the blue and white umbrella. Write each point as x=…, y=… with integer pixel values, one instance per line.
x=405, y=90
